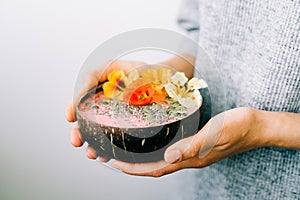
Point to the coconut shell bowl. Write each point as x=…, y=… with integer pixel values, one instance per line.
x=135, y=117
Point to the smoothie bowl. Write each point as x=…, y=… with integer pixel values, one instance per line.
x=135, y=117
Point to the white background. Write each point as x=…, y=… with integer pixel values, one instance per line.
x=42, y=47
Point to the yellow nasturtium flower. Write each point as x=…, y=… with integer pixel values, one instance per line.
x=117, y=82
x=114, y=84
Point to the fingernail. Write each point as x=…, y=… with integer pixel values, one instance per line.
x=173, y=156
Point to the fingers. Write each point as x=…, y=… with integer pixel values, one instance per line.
x=154, y=169
x=179, y=153
x=91, y=153
x=199, y=145
x=141, y=169
x=69, y=112
x=176, y=152
x=195, y=151
x=76, y=138
x=191, y=147
x=183, y=150
x=103, y=159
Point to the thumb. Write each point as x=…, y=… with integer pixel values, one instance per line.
x=198, y=145
x=69, y=112
x=182, y=150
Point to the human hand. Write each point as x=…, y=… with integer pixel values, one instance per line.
x=92, y=79
x=226, y=134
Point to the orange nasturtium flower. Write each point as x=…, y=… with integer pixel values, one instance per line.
x=147, y=94
x=114, y=84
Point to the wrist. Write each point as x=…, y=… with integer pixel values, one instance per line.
x=278, y=129
x=257, y=136
x=261, y=128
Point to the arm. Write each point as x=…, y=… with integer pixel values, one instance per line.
x=280, y=129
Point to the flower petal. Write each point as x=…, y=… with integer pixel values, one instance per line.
x=127, y=81
x=142, y=96
x=116, y=75
x=150, y=76
x=194, y=84
x=191, y=100
x=160, y=94
x=108, y=89
x=186, y=101
x=164, y=75
x=203, y=84
x=171, y=90
x=179, y=78
x=198, y=98
x=133, y=75
x=130, y=78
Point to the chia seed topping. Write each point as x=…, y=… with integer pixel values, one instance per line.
x=111, y=112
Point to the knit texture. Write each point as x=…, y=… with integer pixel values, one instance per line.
x=256, y=46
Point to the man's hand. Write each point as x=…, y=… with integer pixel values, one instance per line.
x=226, y=134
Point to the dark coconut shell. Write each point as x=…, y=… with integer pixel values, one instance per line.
x=138, y=145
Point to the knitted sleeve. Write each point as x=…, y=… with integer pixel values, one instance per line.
x=188, y=18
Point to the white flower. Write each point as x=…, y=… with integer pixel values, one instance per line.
x=187, y=95
x=192, y=99
x=171, y=90
x=195, y=84
x=198, y=98
x=179, y=78
x=203, y=84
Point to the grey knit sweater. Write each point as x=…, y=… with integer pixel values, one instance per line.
x=256, y=46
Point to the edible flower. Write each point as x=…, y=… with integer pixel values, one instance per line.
x=184, y=91
x=157, y=76
x=117, y=82
x=114, y=83
x=148, y=94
